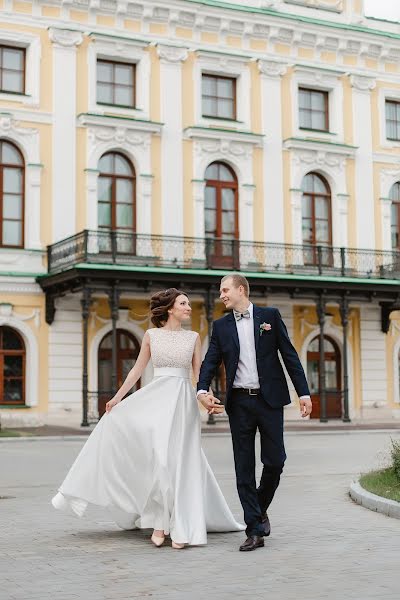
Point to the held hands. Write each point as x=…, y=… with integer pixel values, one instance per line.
x=211, y=404
x=305, y=406
x=112, y=403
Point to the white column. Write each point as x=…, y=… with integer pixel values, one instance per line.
x=386, y=208
x=364, y=185
x=171, y=58
x=199, y=186
x=343, y=205
x=92, y=176
x=246, y=208
x=144, y=203
x=65, y=43
x=32, y=223
x=295, y=200
x=199, y=250
x=271, y=99
x=246, y=220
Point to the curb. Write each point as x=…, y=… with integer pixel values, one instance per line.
x=205, y=433
x=387, y=507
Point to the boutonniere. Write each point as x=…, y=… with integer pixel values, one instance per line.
x=265, y=327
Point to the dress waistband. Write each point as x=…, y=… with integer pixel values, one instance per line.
x=171, y=372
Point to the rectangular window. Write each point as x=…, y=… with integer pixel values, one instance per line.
x=218, y=97
x=313, y=109
x=12, y=70
x=115, y=83
x=392, y=111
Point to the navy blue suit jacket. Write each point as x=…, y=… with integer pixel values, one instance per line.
x=224, y=346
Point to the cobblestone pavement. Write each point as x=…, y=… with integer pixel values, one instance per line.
x=322, y=544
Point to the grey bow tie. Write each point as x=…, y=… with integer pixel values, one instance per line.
x=243, y=315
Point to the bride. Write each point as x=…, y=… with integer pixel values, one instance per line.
x=143, y=462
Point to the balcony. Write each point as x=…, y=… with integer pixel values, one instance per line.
x=132, y=249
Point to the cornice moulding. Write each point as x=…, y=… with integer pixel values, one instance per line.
x=204, y=133
x=336, y=7
x=238, y=19
x=381, y=157
x=222, y=60
x=318, y=146
x=104, y=121
x=105, y=40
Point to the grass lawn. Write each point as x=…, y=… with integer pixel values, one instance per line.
x=382, y=483
x=9, y=433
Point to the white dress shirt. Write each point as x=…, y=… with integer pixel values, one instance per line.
x=246, y=372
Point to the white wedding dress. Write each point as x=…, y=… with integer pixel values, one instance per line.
x=143, y=461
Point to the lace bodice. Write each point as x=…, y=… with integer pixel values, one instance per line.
x=172, y=348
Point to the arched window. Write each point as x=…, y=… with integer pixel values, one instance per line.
x=12, y=367
x=394, y=195
x=316, y=216
x=116, y=193
x=11, y=196
x=128, y=349
x=221, y=213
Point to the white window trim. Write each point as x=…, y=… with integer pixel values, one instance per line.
x=386, y=94
x=224, y=65
x=120, y=50
x=27, y=141
x=32, y=357
x=31, y=43
x=329, y=162
x=324, y=80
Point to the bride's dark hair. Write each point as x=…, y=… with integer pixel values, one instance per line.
x=161, y=303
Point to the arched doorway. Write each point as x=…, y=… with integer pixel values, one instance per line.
x=128, y=349
x=333, y=378
x=12, y=367
x=221, y=215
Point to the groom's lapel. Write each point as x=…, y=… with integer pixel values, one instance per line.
x=233, y=329
x=256, y=322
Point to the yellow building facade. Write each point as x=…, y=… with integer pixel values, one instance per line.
x=147, y=145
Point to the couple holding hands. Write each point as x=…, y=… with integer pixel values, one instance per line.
x=143, y=461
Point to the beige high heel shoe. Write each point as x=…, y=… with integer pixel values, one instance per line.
x=157, y=540
x=177, y=546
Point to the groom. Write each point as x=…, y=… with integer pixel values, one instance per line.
x=247, y=340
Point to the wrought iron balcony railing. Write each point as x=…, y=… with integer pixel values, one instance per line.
x=122, y=248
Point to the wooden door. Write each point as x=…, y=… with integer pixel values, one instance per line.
x=332, y=378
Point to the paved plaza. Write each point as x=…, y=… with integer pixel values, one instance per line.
x=322, y=544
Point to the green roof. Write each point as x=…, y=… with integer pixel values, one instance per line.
x=248, y=274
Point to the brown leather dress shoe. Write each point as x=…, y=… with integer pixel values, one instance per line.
x=266, y=524
x=252, y=542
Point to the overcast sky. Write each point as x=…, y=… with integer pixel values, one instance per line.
x=383, y=9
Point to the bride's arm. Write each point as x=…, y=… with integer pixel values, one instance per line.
x=134, y=374
x=196, y=360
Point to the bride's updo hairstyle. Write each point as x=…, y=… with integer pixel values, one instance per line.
x=161, y=303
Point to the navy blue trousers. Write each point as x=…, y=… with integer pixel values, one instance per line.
x=246, y=415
